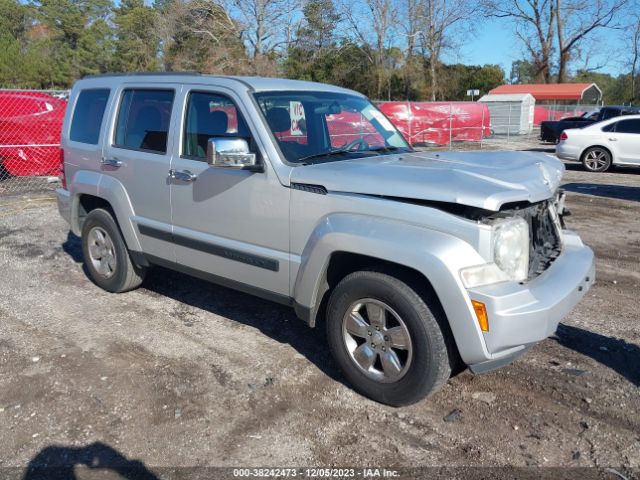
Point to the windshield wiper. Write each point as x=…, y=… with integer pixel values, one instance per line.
x=326, y=154
x=389, y=148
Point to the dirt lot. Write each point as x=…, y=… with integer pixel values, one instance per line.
x=184, y=373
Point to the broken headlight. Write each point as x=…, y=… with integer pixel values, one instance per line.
x=511, y=247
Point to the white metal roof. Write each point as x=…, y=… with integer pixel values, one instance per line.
x=509, y=97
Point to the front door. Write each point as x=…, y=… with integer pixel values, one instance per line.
x=227, y=222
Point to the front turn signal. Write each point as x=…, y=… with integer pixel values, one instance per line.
x=481, y=315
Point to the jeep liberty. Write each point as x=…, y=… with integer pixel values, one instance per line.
x=416, y=264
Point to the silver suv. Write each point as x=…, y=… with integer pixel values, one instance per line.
x=302, y=193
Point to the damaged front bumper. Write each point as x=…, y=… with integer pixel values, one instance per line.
x=521, y=314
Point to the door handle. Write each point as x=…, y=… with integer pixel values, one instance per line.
x=111, y=162
x=613, y=139
x=184, y=175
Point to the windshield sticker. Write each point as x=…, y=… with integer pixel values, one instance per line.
x=298, y=120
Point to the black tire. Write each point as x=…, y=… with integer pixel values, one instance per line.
x=596, y=159
x=125, y=275
x=431, y=362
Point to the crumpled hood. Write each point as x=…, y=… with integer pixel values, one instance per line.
x=485, y=179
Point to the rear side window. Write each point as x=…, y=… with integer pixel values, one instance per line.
x=628, y=126
x=87, y=116
x=143, y=120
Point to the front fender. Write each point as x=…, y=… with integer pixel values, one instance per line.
x=436, y=255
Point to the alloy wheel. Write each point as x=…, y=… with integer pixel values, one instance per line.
x=101, y=252
x=377, y=339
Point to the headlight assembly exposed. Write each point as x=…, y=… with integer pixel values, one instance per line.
x=511, y=247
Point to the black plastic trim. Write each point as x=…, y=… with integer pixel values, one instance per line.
x=309, y=187
x=225, y=282
x=212, y=248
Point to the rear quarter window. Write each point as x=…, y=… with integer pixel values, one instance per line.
x=87, y=116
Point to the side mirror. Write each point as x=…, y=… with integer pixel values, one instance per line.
x=229, y=152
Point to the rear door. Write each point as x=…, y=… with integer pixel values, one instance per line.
x=138, y=155
x=627, y=140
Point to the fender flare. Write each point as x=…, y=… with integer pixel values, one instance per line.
x=112, y=191
x=436, y=255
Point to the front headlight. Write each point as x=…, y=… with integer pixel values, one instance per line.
x=511, y=247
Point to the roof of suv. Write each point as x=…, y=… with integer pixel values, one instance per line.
x=257, y=84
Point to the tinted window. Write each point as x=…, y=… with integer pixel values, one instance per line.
x=210, y=115
x=609, y=113
x=628, y=126
x=143, y=120
x=609, y=128
x=87, y=116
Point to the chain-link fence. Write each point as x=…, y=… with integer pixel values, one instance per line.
x=507, y=125
x=31, y=120
x=30, y=124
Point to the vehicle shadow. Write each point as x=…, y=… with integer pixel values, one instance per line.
x=620, y=192
x=615, y=353
x=73, y=247
x=60, y=463
x=577, y=167
x=274, y=320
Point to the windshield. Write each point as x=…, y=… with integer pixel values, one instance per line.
x=313, y=127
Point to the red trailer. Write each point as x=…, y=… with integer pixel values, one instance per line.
x=439, y=122
x=30, y=125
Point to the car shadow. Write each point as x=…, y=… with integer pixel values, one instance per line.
x=577, y=167
x=73, y=247
x=60, y=463
x=620, y=192
x=272, y=319
x=615, y=353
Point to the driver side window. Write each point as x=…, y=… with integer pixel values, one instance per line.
x=210, y=115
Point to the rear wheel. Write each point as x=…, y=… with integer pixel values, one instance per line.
x=106, y=256
x=596, y=159
x=386, y=338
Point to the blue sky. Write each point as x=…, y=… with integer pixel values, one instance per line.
x=495, y=43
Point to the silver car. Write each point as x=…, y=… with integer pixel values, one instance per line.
x=305, y=194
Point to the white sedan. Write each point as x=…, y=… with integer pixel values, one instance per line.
x=612, y=142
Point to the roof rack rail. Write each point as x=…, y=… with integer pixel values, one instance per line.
x=141, y=74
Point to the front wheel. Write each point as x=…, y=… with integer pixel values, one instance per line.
x=386, y=339
x=596, y=159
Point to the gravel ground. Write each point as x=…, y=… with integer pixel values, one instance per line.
x=184, y=373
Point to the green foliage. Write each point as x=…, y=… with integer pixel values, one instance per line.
x=51, y=43
x=615, y=90
x=460, y=78
x=522, y=71
x=137, y=43
x=204, y=38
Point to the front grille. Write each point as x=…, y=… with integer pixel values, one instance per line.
x=544, y=235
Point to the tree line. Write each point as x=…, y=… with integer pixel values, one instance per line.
x=387, y=49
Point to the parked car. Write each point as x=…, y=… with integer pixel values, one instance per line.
x=30, y=124
x=550, y=131
x=598, y=146
x=413, y=262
